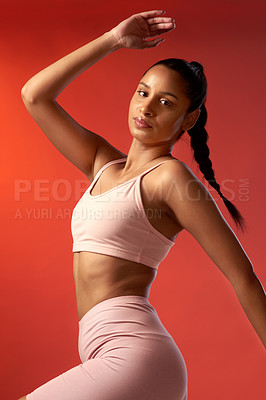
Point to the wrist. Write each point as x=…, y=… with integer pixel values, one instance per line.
x=114, y=39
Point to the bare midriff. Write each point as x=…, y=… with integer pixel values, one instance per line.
x=100, y=277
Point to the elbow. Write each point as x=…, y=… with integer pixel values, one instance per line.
x=30, y=97
x=26, y=95
x=23, y=92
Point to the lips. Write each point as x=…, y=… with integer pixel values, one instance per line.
x=141, y=123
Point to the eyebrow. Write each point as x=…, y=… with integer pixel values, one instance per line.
x=169, y=94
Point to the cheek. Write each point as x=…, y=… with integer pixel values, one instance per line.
x=131, y=112
x=132, y=107
x=177, y=123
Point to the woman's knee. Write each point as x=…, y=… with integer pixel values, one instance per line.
x=22, y=398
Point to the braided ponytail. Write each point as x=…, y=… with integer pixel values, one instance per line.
x=195, y=85
x=199, y=138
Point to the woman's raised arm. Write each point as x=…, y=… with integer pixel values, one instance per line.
x=76, y=143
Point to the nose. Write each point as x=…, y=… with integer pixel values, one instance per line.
x=146, y=109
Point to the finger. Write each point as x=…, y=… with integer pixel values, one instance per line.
x=152, y=43
x=148, y=14
x=159, y=32
x=157, y=20
x=157, y=27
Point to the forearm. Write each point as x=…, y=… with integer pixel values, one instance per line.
x=253, y=300
x=49, y=83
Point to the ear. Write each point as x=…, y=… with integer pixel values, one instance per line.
x=190, y=119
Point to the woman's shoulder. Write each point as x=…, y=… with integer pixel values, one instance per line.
x=176, y=168
x=179, y=180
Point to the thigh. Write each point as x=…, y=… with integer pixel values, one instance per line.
x=87, y=381
x=122, y=374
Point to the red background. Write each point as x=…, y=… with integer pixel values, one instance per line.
x=224, y=357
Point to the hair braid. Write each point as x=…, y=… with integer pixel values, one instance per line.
x=199, y=138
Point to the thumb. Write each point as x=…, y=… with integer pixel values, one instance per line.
x=153, y=43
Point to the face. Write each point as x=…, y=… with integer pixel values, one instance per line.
x=158, y=108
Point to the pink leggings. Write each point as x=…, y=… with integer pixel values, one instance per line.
x=126, y=354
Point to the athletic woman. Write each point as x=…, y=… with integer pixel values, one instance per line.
x=126, y=222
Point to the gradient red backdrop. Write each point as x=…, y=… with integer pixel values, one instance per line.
x=224, y=357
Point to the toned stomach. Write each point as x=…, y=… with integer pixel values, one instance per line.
x=100, y=277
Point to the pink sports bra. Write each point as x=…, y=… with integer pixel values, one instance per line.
x=115, y=223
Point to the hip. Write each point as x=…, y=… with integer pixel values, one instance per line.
x=128, y=325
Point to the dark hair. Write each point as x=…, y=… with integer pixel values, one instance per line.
x=195, y=84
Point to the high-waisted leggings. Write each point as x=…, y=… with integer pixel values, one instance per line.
x=126, y=354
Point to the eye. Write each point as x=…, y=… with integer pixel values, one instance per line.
x=165, y=103
x=142, y=93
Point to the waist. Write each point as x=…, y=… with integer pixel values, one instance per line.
x=99, y=277
x=115, y=305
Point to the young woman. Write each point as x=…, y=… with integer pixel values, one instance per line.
x=126, y=222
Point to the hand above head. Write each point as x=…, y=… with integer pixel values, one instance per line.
x=133, y=31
